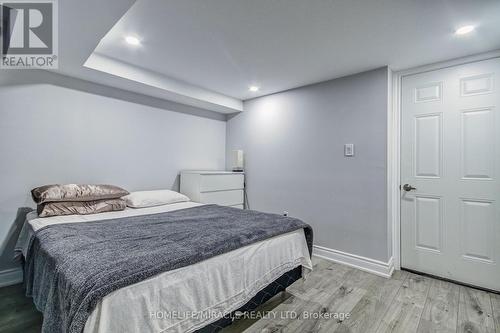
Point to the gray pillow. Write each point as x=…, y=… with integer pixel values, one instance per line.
x=76, y=192
x=80, y=207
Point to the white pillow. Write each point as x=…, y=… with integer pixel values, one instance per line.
x=141, y=199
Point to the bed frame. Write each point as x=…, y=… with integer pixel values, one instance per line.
x=277, y=286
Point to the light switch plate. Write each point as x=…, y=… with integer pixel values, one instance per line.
x=349, y=149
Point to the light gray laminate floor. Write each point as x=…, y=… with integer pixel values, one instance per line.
x=405, y=303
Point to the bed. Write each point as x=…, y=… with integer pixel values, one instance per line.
x=183, y=267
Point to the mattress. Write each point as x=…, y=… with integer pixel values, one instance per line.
x=188, y=298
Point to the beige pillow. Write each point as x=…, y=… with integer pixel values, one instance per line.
x=80, y=207
x=76, y=192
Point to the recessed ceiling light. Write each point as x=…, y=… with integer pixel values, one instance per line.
x=253, y=88
x=132, y=40
x=465, y=30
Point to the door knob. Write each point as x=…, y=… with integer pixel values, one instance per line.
x=408, y=187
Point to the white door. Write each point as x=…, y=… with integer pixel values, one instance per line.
x=450, y=154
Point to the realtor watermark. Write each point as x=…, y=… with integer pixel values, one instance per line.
x=29, y=34
x=255, y=315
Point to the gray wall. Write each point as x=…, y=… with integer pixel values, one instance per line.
x=55, y=129
x=293, y=143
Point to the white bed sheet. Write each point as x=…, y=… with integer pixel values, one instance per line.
x=188, y=298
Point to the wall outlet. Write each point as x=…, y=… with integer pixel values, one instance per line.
x=349, y=149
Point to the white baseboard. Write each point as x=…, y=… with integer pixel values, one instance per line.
x=11, y=276
x=373, y=266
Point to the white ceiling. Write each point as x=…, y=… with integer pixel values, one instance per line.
x=223, y=46
x=81, y=27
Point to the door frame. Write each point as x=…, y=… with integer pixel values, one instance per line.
x=394, y=111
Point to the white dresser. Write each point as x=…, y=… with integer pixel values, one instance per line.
x=223, y=188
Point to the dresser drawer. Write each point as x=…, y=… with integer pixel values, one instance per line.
x=221, y=182
x=223, y=198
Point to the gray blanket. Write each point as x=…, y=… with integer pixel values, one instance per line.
x=70, y=267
